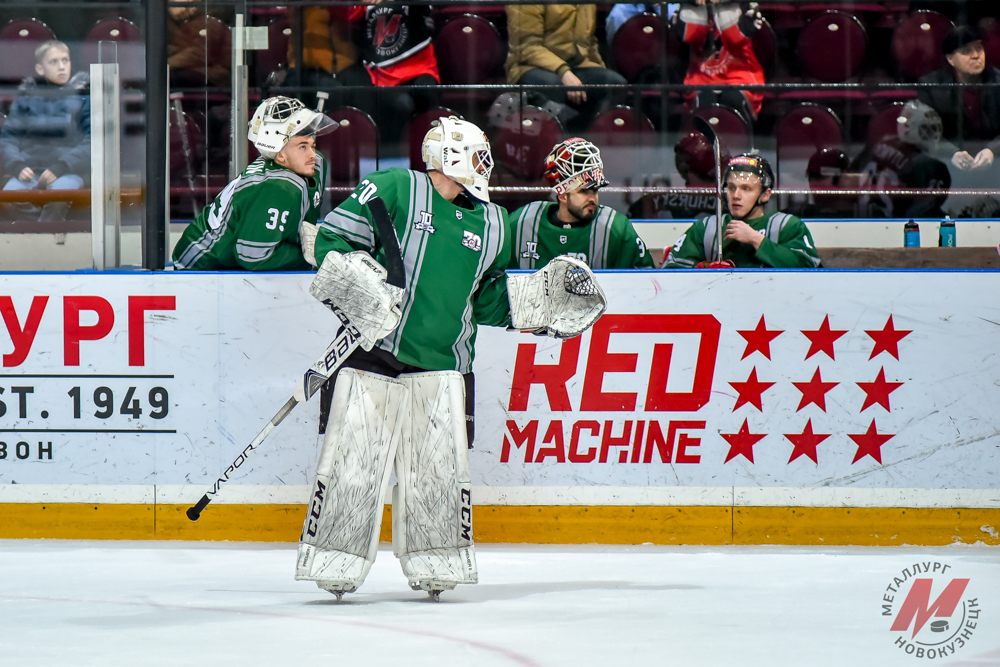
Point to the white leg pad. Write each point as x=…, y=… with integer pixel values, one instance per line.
x=368, y=417
x=432, y=502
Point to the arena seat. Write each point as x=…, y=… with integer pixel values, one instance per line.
x=765, y=45
x=415, y=131
x=916, y=44
x=832, y=47
x=524, y=140
x=131, y=49
x=990, y=30
x=344, y=148
x=18, y=41
x=638, y=45
x=884, y=123
x=274, y=58
x=729, y=124
x=469, y=50
x=620, y=126
x=211, y=35
x=807, y=129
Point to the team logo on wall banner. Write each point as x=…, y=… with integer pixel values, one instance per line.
x=933, y=609
x=748, y=379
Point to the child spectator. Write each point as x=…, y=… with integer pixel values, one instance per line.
x=45, y=142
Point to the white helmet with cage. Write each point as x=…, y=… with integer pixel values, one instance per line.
x=573, y=164
x=278, y=119
x=459, y=150
x=919, y=125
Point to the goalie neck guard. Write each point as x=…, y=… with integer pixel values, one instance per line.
x=459, y=150
x=278, y=119
x=573, y=164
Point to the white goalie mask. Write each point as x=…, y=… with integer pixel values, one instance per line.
x=919, y=125
x=278, y=119
x=460, y=151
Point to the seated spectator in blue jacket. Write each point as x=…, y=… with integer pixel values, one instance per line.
x=45, y=143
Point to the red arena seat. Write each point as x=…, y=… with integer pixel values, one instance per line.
x=355, y=140
x=638, y=45
x=765, y=45
x=916, y=44
x=620, y=126
x=213, y=38
x=807, y=129
x=129, y=49
x=469, y=50
x=729, y=124
x=274, y=58
x=416, y=130
x=884, y=123
x=18, y=41
x=524, y=140
x=832, y=47
x=990, y=30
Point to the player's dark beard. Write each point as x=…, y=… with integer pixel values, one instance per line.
x=580, y=213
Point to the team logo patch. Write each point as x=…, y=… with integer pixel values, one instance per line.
x=317, y=198
x=530, y=250
x=458, y=215
x=472, y=241
x=424, y=224
x=563, y=238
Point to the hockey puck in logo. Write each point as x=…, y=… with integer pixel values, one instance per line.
x=939, y=626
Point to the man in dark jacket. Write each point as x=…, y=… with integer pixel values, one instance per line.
x=971, y=115
x=45, y=142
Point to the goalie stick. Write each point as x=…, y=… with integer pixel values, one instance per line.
x=705, y=128
x=346, y=341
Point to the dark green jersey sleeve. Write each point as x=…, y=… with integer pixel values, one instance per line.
x=349, y=226
x=689, y=249
x=630, y=252
x=490, y=305
x=794, y=248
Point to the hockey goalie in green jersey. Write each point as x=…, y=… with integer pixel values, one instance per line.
x=576, y=224
x=402, y=400
x=749, y=238
x=265, y=219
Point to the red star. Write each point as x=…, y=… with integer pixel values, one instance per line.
x=742, y=442
x=750, y=391
x=814, y=391
x=759, y=340
x=870, y=443
x=878, y=391
x=822, y=339
x=805, y=442
x=887, y=340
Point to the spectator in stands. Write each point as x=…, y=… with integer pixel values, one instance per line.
x=330, y=56
x=722, y=54
x=576, y=224
x=750, y=238
x=555, y=45
x=694, y=157
x=971, y=116
x=905, y=161
x=398, y=51
x=45, y=142
x=187, y=53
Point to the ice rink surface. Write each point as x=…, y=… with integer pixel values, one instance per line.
x=181, y=603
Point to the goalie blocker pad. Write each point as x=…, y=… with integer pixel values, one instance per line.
x=417, y=420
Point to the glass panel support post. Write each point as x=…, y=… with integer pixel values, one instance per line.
x=105, y=166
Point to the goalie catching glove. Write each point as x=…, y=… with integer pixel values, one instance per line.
x=562, y=299
x=355, y=285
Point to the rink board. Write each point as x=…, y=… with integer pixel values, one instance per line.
x=704, y=408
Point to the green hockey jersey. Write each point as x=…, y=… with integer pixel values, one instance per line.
x=787, y=244
x=253, y=225
x=608, y=242
x=454, y=259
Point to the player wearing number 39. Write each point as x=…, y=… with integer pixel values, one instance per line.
x=400, y=399
x=750, y=238
x=576, y=224
x=265, y=219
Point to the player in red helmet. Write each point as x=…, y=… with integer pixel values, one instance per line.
x=751, y=238
x=576, y=224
